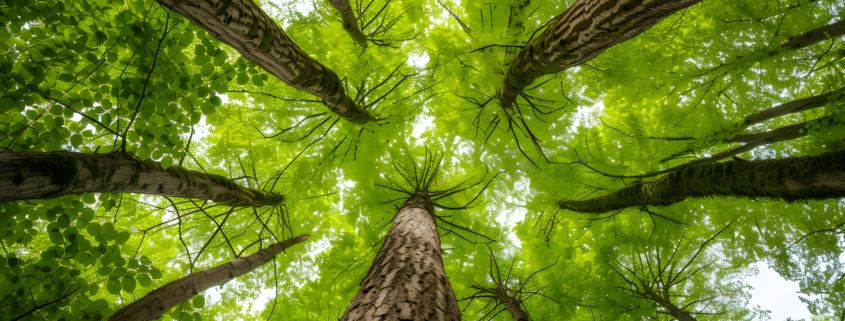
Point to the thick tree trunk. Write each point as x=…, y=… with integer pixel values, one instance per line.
x=809, y=177
x=156, y=303
x=31, y=175
x=242, y=25
x=512, y=305
x=407, y=280
x=583, y=31
x=350, y=24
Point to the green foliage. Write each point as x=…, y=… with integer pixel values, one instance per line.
x=110, y=75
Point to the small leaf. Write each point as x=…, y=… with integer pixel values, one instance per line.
x=128, y=284
x=122, y=237
x=113, y=287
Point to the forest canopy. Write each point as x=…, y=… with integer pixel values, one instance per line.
x=419, y=160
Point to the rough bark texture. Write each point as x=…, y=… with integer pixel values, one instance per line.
x=809, y=177
x=583, y=31
x=407, y=280
x=350, y=24
x=814, y=36
x=242, y=25
x=31, y=175
x=156, y=303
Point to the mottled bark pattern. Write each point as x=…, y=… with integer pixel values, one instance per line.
x=32, y=175
x=350, y=24
x=407, y=280
x=242, y=25
x=809, y=177
x=814, y=36
x=583, y=31
x=156, y=303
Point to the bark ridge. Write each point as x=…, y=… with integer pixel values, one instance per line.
x=406, y=280
x=32, y=175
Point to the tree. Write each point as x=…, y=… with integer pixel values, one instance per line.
x=204, y=91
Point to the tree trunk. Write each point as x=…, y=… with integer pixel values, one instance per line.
x=809, y=177
x=242, y=25
x=156, y=303
x=670, y=307
x=793, y=107
x=30, y=175
x=583, y=31
x=407, y=280
x=350, y=24
x=815, y=36
x=512, y=305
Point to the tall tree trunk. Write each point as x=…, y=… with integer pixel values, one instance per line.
x=583, y=31
x=30, y=175
x=242, y=25
x=511, y=304
x=792, y=107
x=156, y=303
x=674, y=310
x=350, y=24
x=809, y=177
x=407, y=280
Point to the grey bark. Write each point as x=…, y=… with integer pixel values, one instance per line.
x=31, y=175
x=583, y=31
x=670, y=307
x=815, y=36
x=242, y=25
x=797, y=178
x=407, y=280
x=350, y=23
x=156, y=303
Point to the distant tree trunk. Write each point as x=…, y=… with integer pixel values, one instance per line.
x=671, y=308
x=815, y=36
x=156, y=303
x=407, y=280
x=512, y=305
x=30, y=175
x=242, y=25
x=809, y=177
x=350, y=24
x=793, y=107
x=583, y=31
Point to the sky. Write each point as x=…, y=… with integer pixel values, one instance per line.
x=774, y=293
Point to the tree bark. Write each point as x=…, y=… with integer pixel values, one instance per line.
x=30, y=175
x=583, y=31
x=671, y=308
x=407, y=280
x=156, y=303
x=242, y=25
x=512, y=305
x=809, y=177
x=815, y=36
x=793, y=107
x=350, y=24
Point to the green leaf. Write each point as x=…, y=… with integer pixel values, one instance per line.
x=104, y=271
x=257, y=81
x=128, y=285
x=113, y=287
x=143, y=280
x=207, y=70
x=122, y=237
x=199, y=301
x=108, y=231
x=93, y=229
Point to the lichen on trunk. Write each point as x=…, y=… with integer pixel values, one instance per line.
x=582, y=32
x=31, y=175
x=406, y=280
x=797, y=178
x=242, y=25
